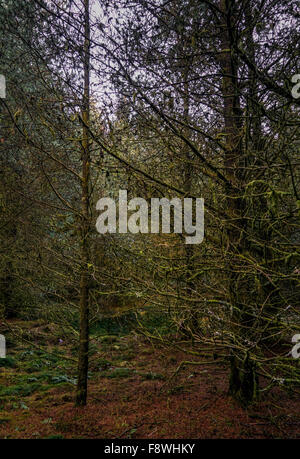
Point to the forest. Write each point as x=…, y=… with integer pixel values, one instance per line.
x=149, y=219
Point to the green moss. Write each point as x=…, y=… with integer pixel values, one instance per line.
x=243, y=384
x=152, y=376
x=21, y=390
x=8, y=362
x=118, y=373
x=104, y=364
x=55, y=437
x=108, y=339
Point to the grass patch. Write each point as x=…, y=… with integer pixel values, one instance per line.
x=118, y=373
x=21, y=390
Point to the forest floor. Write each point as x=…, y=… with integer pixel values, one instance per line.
x=133, y=393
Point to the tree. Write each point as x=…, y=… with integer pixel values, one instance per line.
x=85, y=222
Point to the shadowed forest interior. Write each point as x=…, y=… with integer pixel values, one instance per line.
x=131, y=332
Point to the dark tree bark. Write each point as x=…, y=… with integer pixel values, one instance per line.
x=81, y=394
x=243, y=380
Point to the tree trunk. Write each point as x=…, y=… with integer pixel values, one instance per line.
x=81, y=394
x=243, y=380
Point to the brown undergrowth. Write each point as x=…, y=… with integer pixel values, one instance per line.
x=132, y=395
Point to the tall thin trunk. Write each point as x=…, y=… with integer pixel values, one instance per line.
x=243, y=380
x=189, y=249
x=81, y=394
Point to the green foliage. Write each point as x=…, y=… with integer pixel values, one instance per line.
x=153, y=376
x=8, y=362
x=157, y=323
x=117, y=373
x=55, y=437
x=108, y=328
x=21, y=390
x=103, y=364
